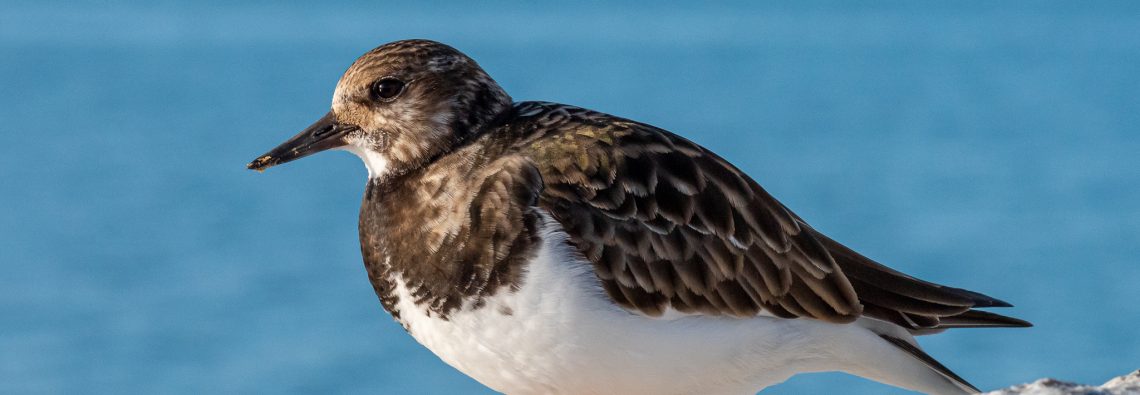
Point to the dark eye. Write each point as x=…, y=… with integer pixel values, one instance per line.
x=386, y=89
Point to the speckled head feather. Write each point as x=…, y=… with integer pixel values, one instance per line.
x=444, y=98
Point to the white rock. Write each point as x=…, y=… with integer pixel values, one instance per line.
x=1128, y=384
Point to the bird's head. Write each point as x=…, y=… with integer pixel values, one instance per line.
x=399, y=106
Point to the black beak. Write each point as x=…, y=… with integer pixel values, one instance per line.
x=322, y=135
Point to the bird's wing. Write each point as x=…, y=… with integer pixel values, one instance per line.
x=668, y=224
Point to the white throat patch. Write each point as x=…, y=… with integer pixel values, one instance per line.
x=376, y=162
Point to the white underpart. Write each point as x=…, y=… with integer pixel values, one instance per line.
x=564, y=336
x=376, y=163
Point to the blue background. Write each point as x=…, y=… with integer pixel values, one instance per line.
x=986, y=145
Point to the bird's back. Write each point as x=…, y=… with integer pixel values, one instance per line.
x=568, y=242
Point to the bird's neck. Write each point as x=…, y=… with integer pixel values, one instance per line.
x=407, y=223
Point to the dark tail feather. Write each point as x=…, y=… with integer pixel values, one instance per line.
x=930, y=362
x=920, y=306
x=981, y=319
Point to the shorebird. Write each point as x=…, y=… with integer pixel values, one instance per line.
x=545, y=248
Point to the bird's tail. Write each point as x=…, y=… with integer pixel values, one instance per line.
x=891, y=356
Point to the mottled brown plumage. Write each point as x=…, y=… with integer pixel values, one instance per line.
x=666, y=223
x=457, y=231
x=465, y=185
x=669, y=224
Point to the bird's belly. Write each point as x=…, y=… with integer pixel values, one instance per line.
x=559, y=333
x=530, y=341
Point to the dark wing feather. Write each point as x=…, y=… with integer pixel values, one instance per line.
x=667, y=223
x=918, y=305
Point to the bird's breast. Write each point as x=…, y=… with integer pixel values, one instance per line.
x=558, y=332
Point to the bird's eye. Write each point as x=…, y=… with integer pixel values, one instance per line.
x=386, y=89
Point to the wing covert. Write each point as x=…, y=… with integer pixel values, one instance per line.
x=669, y=224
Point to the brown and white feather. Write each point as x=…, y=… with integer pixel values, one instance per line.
x=546, y=248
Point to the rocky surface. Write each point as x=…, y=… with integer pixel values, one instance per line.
x=1128, y=384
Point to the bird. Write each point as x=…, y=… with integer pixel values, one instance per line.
x=544, y=248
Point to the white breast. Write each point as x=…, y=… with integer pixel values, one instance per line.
x=559, y=333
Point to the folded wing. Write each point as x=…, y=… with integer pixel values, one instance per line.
x=670, y=225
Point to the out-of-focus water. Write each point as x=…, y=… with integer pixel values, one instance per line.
x=986, y=145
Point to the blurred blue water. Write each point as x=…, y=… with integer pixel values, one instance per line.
x=986, y=145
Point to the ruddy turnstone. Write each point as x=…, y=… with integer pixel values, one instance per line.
x=545, y=248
